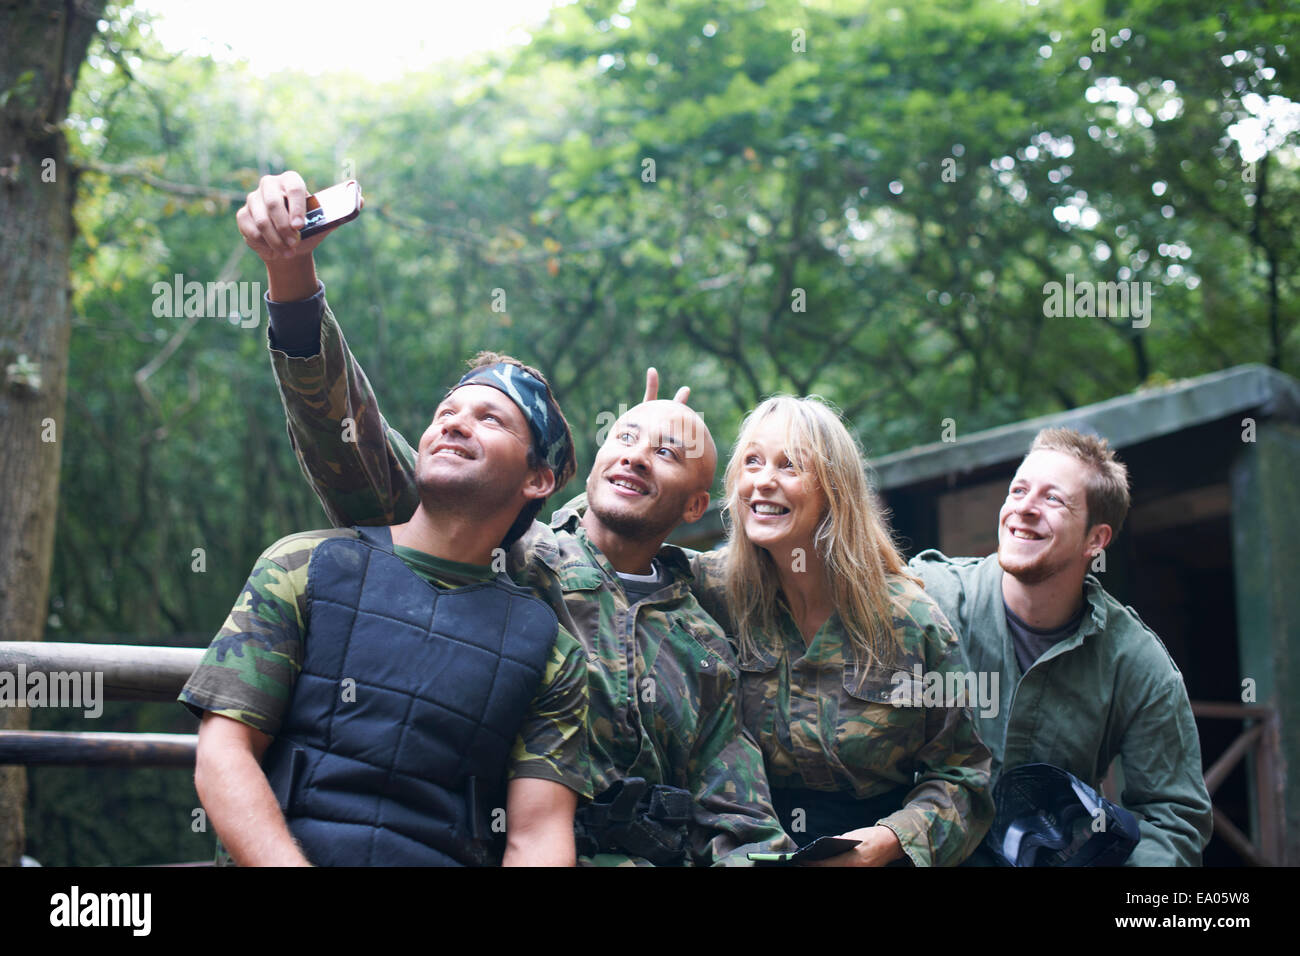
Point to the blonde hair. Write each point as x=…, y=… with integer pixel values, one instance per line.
x=1105, y=479
x=853, y=538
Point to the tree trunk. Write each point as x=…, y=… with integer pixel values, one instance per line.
x=42, y=45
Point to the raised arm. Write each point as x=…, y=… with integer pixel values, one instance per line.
x=269, y=221
x=362, y=471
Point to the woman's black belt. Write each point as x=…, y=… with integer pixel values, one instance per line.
x=808, y=814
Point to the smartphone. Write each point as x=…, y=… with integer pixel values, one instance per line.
x=331, y=207
x=823, y=848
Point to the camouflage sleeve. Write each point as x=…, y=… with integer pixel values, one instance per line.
x=708, y=569
x=732, y=784
x=950, y=808
x=250, y=667
x=362, y=470
x=734, y=802
x=552, y=744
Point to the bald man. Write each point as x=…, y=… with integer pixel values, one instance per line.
x=662, y=677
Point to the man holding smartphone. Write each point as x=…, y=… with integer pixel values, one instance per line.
x=662, y=676
x=381, y=695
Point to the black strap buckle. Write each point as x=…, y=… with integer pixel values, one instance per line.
x=639, y=819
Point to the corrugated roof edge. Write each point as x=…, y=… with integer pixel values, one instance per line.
x=1124, y=420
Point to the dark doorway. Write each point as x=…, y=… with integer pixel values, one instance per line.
x=1181, y=579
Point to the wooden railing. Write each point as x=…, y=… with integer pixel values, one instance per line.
x=147, y=673
x=1260, y=737
x=128, y=672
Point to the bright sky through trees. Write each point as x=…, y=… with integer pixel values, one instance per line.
x=377, y=39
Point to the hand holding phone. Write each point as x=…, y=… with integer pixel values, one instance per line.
x=332, y=207
x=281, y=221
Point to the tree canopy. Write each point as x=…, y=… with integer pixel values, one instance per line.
x=867, y=200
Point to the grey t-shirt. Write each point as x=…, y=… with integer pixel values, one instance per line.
x=1032, y=642
x=640, y=586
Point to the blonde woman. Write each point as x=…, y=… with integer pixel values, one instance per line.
x=840, y=650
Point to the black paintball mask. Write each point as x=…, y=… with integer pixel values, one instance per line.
x=1047, y=816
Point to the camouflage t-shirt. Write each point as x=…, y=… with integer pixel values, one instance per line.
x=249, y=670
x=823, y=728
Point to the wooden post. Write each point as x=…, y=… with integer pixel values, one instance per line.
x=1265, y=554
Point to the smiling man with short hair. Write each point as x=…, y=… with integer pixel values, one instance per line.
x=1084, y=681
x=383, y=696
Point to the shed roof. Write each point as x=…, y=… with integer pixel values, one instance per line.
x=1126, y=420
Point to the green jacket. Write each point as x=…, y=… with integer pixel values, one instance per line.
x=1109, y=691
x=662, y=678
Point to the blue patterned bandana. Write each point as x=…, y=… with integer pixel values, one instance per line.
x=550, y=438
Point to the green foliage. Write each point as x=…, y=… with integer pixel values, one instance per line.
x=650, y=184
